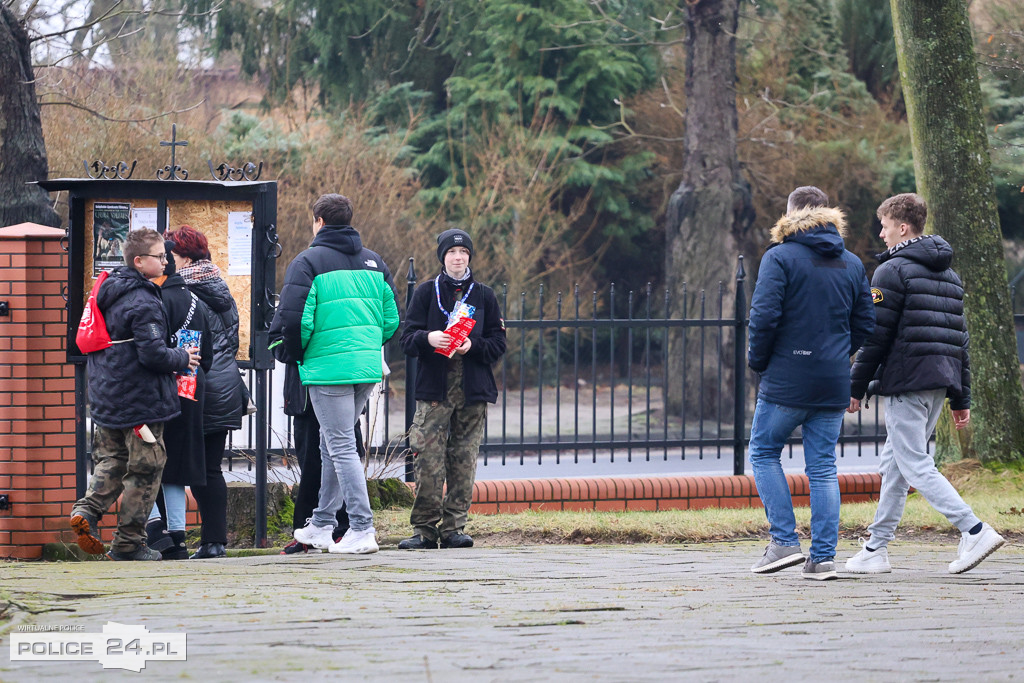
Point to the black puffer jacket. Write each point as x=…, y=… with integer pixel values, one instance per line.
x=920, y=340
x=226, y=399
x=487, y=337
x=132, y=383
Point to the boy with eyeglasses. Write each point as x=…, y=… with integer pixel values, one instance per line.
x=132, y=393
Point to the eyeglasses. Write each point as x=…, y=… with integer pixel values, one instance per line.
x=162, y=257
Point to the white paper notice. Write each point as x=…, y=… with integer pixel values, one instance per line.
x=144, y=218
x=240, y=243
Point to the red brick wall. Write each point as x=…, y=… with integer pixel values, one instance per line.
x=648, y=493
x=37, y=392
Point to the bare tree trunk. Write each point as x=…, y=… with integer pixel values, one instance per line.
x=22, y=152
x=953, y=169
x=709, y=211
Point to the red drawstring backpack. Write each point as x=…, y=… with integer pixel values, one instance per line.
x=92, y=332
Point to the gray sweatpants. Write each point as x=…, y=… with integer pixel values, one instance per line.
x=342, y=479
x=909, y=421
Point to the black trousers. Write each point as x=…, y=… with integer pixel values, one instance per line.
x=306, y=431
x=213, y=498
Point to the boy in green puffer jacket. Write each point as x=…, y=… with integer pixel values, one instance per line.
x=337, y=309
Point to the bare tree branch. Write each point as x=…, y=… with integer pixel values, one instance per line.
x=89, y=24
x=103, y=117
x=109, y=14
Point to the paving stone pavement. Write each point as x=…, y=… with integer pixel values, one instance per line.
x=537, y=613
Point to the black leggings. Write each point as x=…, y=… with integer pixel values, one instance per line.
x=213, y=498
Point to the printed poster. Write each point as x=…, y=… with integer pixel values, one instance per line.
x=110, y=223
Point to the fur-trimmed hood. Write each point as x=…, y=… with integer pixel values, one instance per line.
x=804, y=220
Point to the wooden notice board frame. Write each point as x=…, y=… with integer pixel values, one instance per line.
x=207, y=206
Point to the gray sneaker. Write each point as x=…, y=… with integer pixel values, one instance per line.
x=142, y=552
x=819, y=571
x=778, y=557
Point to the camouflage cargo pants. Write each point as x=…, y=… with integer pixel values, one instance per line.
x=446, y=437
x=124, y=463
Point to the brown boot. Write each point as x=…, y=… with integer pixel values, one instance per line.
x=84, y=524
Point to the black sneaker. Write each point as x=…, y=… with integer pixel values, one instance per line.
x=143, y=552
x=208, y=551
x=456, y=539
x=84, y=524
x=295, y=547
x=417, y=542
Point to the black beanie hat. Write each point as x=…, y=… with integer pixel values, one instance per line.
x=453, y=238
x=169, y=269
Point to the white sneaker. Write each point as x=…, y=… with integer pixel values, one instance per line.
x=974, y=548
x=316, y=536
x=356, y=543
x=869, y=561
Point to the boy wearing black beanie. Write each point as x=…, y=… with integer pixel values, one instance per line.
x=452, y=393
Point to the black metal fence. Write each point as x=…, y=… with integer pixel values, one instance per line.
x=586, y=382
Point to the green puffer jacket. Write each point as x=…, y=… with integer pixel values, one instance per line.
x=337, y=309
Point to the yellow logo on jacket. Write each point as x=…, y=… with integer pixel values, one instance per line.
x=876, y=295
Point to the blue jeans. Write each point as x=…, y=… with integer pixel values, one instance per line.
x=342, y=478
x=175, y=502
x=773, y=424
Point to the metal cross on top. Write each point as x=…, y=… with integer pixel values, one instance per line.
x=170, y=172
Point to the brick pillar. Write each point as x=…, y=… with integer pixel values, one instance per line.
x=37, y=392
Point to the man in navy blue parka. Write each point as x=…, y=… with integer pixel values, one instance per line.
x=810, y=312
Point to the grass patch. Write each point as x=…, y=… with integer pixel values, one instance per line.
x=6, y=612
x=997, y=496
